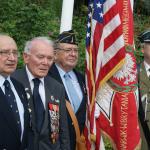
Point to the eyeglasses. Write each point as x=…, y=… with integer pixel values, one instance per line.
x=69, y=50
x=6, y=53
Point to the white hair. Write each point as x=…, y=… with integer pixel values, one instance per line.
x=29, y=45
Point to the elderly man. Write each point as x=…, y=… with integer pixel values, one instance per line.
x=45, y=95
x=144, y=84
x=14, y=115
x=66, y=58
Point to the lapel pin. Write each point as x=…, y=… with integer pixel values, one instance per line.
x=52, y=98
x=29, y=110
x=57, y=100
x=26, y=89
x=28, y=95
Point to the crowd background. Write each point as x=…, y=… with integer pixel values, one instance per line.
x=25, y=19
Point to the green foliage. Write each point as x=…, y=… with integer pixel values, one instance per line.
x=79, y=26
x=107, y=143
x=141, y=23
x=25, y=19
x=142, y=7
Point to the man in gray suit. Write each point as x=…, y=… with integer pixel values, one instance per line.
x=144, y=84
x=46, y=96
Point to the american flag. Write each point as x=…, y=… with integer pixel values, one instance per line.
x=105, y=53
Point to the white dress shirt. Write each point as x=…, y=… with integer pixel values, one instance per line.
x=41, y=86
x=74, y=82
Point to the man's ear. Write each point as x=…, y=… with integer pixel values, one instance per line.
x=25, y=57
x=55, y=55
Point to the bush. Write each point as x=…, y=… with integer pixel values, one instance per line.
x=24, y=19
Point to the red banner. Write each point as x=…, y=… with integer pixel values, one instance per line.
x=117, y=100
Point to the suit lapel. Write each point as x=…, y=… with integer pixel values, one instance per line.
x=81, y=83
x=55, y=74
x=6, y=110
x=48, y=95
x=83, y=89
x=24, y=102
x=27, y=86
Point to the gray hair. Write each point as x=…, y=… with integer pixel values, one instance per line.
x=56, y=46
x=29, y=45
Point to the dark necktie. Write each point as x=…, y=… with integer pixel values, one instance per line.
x=12, y=102
x=38, y=105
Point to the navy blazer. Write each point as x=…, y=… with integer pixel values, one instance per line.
x=81, y=112
x=9, y=133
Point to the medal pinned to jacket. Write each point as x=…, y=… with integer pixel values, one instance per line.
x=54, y=121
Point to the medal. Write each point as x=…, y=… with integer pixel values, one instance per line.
x=54, y=121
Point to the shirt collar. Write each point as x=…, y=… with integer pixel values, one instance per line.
x=62, y=72
x=31, y=77
x=2, y=79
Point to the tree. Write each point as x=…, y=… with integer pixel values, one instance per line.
x=142, y=7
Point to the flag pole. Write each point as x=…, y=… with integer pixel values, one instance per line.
x=66, y=15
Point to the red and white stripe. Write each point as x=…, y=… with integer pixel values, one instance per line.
x=104, y=56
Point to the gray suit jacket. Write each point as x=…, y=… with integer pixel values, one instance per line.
x=55, y=94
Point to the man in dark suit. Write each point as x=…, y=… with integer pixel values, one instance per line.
x=45, y=95
x=66, y=57
x=14, y=115
x=144, y=84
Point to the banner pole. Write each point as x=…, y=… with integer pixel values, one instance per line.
x=66, y=15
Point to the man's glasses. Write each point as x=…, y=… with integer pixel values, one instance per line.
x=6, y=53
x=69, y=50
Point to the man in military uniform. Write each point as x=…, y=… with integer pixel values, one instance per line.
x=144, y=84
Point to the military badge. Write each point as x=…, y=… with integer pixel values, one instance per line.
x=54, y=121
x=52, y=98
x=57, y=100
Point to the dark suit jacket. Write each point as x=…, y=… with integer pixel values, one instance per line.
x=9, y=133
x=80, y=114
x=53, y=91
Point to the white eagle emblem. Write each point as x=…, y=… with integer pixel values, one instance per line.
x=127, y=72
